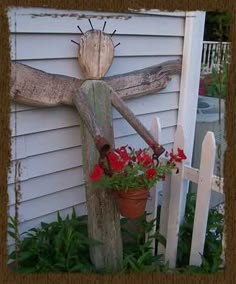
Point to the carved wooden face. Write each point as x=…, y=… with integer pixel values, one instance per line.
x=96, y=53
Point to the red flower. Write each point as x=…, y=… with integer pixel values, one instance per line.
x=144, y=159
x=116, y=163
x=123, y=153
x=181, y=154
x=178, y=157
x=150, y=173
x=97, y=173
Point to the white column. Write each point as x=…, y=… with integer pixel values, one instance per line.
x=189, y=87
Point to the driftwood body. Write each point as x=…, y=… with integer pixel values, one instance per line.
x=34, y=87
x=103, y=218
x=96, y=52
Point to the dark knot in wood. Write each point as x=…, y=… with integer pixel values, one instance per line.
x=102, y=145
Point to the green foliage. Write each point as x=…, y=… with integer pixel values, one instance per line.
x=126, y=168
x=63, y=245
x=59, y=246
x=138, y=255
x=217, y=26
x=217, y=88
x=213, y=243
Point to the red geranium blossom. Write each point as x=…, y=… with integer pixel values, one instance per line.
x=123, y=153
x=178, y=157
x=97, y=173
x=116, y=162
x=144, y=159
x=150, y=173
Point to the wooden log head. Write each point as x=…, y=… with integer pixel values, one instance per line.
x=96, y=53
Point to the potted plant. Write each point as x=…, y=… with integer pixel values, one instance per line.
x=130, y=174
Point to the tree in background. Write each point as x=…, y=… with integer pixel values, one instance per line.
x=217, y=26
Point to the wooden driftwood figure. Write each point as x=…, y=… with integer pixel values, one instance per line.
x=93, y=99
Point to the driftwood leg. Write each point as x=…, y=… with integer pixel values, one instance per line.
x=103, y=218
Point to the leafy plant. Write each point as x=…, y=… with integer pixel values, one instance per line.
x=213, y=242
x=59, y=246
x=138, y=256
x=63, y=245
x=217, y=88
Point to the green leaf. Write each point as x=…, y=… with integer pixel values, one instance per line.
x=12, y=234
x=73, y=214
x=59, y=219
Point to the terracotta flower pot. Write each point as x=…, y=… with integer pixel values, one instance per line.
x=131, y=204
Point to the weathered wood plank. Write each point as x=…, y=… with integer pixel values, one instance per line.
x=103, y=218
x=34, y=87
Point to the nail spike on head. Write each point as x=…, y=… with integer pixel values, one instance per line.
x=75, y=42
x=91, y=24
x=104, y=26
x=113, y=33
x=80, y=29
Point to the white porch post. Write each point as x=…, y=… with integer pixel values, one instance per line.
x=189, y=86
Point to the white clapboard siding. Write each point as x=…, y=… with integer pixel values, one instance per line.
x=175, y=204
x=47, y=163
x=23, y=146
x=46, y=142
x=122, y=127
x=66, y=22
x=64, y=199
x=48, y=118
x=137, y=142
x=57, y=181
x=43, y=119
x=43, y=142
x=203, y=198
x=60, y=46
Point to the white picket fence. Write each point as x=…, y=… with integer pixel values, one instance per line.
x=172, y=200
x=211, y=55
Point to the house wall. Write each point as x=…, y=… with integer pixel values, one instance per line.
x=46, y=142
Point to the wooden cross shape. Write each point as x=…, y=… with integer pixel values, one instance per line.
x=93, y=99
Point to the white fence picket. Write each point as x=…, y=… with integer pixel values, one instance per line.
x=170, y=215
x=203, y=198
x=153, y=201
x=164, y=214
x=175, y=204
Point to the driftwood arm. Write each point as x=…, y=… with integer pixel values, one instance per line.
x=87, y=116
x=121, y=107
x=34, y=87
